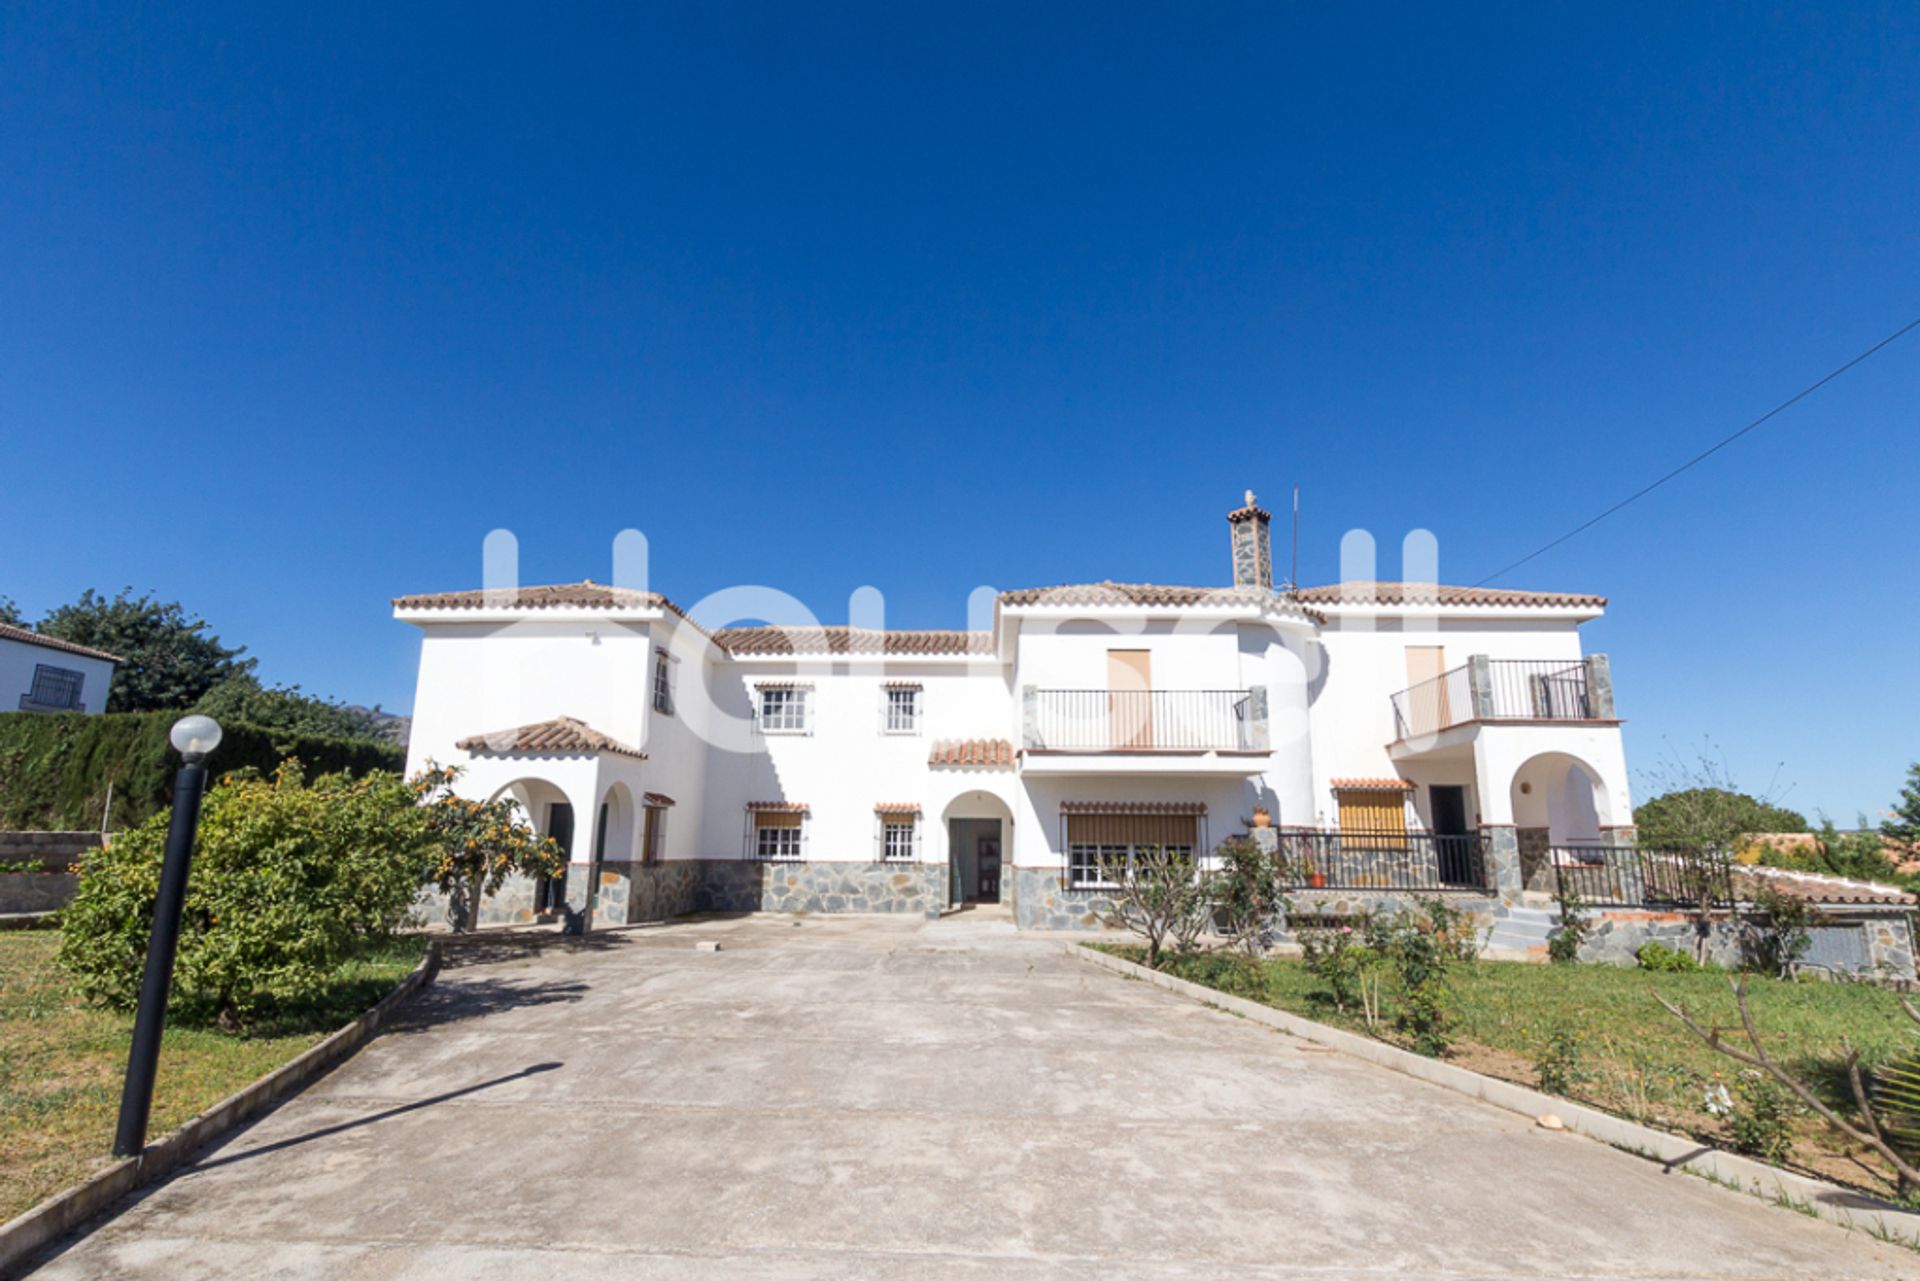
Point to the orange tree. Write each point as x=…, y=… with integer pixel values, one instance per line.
x=477, y=845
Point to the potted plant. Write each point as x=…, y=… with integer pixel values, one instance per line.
x=1262, y=816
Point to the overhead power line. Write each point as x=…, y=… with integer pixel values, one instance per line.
x=1705, y=454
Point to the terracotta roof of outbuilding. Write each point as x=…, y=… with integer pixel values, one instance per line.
x=561, y=736
x=849, y=640
x=982, y=753
x=1375, y=593
x=1825, y=890
x=26, y=636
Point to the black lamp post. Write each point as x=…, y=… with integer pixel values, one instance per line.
x=194, y=736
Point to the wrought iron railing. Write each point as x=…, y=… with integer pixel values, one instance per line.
x=1506, y=689
x=1138, y=720
x=1418, y=861
x=1644, y=876
x=1530, y=689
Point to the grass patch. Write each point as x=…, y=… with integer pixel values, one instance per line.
x=1633, y=1059
x=61, y=1061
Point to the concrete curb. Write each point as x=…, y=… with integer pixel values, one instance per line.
x=55, y=1217
x=1844, y=1206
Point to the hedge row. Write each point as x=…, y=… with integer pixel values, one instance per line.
x=56, y=768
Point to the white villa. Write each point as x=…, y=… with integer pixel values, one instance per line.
x=1401, y=737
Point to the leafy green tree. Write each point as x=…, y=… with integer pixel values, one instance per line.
x=242, y=697
x=289, y=881
x=1710, y=817
x=171, y=659
x=1902, y=824
x=10, y=613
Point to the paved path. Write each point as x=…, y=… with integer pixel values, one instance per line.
x=874, y=1098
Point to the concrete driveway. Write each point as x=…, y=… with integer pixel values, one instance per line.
x=878, y=1098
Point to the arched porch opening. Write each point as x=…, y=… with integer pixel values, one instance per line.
x=977, y=828
x=548, y=811
x=1560, y=807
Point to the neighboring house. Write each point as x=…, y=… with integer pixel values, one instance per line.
x=1401, y=737
x=45, y=674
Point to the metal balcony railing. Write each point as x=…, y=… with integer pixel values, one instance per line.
x=1417, y=861
x=1136, y=720
x=1504, y=689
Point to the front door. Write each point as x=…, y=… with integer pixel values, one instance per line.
x=1453, y=843
x=550, y=892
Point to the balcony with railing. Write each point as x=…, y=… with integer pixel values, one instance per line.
x=1118, y=724
x=1506, y=689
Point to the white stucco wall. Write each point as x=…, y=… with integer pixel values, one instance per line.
x=1328, y=696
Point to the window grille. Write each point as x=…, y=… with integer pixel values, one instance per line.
x=1098, y=842
x=902, y=711
x=55, y=687
x=778, y=836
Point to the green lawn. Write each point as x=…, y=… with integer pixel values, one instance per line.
x=1633, y=1057
x=61, y=1062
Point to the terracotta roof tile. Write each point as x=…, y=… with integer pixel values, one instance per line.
x=1826, y=890
x=26, y=636
x=849, y=640
x=897, y=807
x=1112, y=593
x=777, y=807
x=561, y=736
x=972, y=753
x=1373, y=593
x=659, y=800
x=1370, y=784
x=1133, y=807
x=585, y=594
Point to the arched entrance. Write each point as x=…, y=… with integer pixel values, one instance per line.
x=548, y=811
x=978, y=829
x=1559, y=808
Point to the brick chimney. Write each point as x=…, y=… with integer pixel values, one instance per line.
x=1252, y=546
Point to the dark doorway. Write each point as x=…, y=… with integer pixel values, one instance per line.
x=1454, y=847
x=550, y=892
x=974, y=846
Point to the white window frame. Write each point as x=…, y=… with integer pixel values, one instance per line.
x=890, y=703
x=770, y=844
x=664, y=664
x=898, y=837
x=796, y=715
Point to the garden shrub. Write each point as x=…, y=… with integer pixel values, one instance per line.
x=1661, y=959
x=1758, y=1114
x=1567, y=938
x=1773, y=942
x=1560, y=1064
x=288, y=881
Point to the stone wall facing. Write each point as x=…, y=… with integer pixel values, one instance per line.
x=44, y=891
x=748, y=885
x=1042, y=901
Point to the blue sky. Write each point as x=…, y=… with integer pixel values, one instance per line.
x=300, y=302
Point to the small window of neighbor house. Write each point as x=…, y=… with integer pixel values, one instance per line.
x=55, y=688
